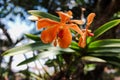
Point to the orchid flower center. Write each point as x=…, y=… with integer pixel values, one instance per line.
x=60, y=34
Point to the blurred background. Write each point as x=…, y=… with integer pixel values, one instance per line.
x=14, y=24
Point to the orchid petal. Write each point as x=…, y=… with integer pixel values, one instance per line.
x=64, y=16
x=69, y=13
x=82, y=40
x=75, y=28
x=42, y=23
x=80, y=22
x=48, y=35
x=90, y=19
x=89, y=33
x=65, y=41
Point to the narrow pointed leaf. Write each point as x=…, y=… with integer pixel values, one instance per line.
x=40, y=55
x=26, y=48
x=105, y=43
x=33, y=37
x=26, y=61
x=112, y=60
x=52, y=51
x=92, y=59
x=43, y=15
x=105, y=49
x=107, y=54
x=102, y=29
x=74, y=46
x=114, y=63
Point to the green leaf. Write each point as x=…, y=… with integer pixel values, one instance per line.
x=33, y=37
x=26, y=48
x=107, y=54
x=74, y=46
x=112, y=60
x=40, y=55
x=26, y=61
x=92, y=59
x=51, y=52
x=110, y=57
x=114, y=63
x=89, y=67
x=102, y=29
x=35, y=76
x=105, y=49
x=50, y=62
x=43, y=15
x=105, y=43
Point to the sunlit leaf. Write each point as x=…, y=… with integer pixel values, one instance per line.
x=52, y=51
x=89, y=67
x=105, y=43
x=25, y=48
x=40, y=55
x=102, y=29
x=92, y=59
x=33, y=18
x=106, y=27
x=74, y=46
x=43, y=14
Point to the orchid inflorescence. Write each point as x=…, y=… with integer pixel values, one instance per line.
x=59, y=33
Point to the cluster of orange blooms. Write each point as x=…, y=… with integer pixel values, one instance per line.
x=59, y=33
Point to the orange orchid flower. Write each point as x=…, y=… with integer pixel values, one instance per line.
x=58, y=32
x=86, y=31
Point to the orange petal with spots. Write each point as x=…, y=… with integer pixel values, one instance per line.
x=66, y=39
x=90, y=18
x=48, y=35
x=80, y=22
x=64, y=16
x=75, y=28
x=82, y=40
x=42, y=23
